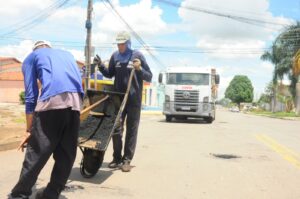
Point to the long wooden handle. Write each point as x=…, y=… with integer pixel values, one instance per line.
x=93, y=105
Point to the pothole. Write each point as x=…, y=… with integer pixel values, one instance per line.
x=225, y=156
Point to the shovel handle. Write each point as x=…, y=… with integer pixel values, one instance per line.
x=93, y=105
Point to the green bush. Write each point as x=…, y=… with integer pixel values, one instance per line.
x=22, y=97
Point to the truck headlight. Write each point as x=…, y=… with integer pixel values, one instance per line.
x=167, y=98
x=206, y=99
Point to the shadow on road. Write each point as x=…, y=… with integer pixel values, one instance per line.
x=99, y=178
x=189, y=121
x=34, y=191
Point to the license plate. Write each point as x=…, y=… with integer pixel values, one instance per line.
x=186, y=108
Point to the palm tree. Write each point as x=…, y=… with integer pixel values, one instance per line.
x=282, y=55
x=296, y=75
x=273, y=56
x=296, y=64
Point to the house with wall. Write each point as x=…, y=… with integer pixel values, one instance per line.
x=11, y=79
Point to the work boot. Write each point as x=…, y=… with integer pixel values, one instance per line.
x=126, y=166
x=19, y=197
x=115, y=164
x=40, y=195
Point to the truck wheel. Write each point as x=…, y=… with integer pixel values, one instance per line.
x=209, y=120
x=168, y=118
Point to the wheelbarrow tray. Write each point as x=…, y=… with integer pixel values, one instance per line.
x=96, y=130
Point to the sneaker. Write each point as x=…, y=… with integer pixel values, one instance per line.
x=115, y=164
x=126, y=166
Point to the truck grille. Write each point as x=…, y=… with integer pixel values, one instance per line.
x=186, y=101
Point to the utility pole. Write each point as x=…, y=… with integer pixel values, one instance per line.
x=88, y=45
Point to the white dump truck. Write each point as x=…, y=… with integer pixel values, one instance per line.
x=190, y=92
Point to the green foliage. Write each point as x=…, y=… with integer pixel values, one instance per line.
x=266, y=97
x=22, y=97
x=275, y=115
x=224, y=102
x=282, y=53
x=240, y=90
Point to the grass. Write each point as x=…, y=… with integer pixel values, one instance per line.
x=20, y=120
x=276, y=114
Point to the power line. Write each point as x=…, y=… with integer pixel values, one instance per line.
x=252, y=21
x=51, y=6
x=180, y=49
x=134, y=33
x=43, y=15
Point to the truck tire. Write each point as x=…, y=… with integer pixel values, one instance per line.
x=209, y=120
x=168, y=118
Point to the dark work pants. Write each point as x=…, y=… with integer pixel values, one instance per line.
x=132, y=116
x=53, y=132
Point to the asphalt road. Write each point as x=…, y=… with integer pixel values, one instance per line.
x=238, y=156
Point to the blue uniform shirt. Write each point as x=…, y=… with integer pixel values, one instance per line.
x=121, y=72
x=57, y=71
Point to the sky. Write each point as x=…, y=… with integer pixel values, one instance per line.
x=191, y=33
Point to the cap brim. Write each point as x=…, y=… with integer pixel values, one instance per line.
x=120, y=42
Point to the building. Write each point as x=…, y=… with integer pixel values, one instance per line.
x=11, y=79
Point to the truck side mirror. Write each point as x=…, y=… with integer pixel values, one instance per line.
x=160, y=78
x=217, y=79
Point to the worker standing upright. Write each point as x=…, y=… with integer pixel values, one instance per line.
x=120, y=68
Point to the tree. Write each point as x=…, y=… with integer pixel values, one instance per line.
x=282, y=54
x=224, y=102
x=268, y=95
x=240, y=90
x=296, y=74
x=296, y=64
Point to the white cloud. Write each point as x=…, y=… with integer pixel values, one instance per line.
x=232, y=48
x=78, y=54
x=24, y=48
x=19, y=51
x=267, y=66
x=224, y=83
x=13, y=9
x=219, y=32
x=143, y=17
x=68, y=24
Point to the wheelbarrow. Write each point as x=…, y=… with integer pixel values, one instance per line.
x=98, y=126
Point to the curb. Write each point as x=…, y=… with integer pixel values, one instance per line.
x=281, y=118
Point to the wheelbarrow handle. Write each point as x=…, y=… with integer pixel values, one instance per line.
x=84, y=111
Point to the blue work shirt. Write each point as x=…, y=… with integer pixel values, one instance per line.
x=57, y=71
x=121, y=72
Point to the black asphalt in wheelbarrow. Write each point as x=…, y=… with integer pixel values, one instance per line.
x=96, y=130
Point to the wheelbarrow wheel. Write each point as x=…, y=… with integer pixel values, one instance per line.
x=91, y=162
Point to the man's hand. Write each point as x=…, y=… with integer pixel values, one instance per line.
x=97, y=60
x=137, y=64
x=24, y=141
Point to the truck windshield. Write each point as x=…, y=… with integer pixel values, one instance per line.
x=188, y=79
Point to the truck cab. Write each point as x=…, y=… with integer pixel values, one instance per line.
x=190, y=92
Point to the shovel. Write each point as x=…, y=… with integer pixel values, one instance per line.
x=85, y=112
